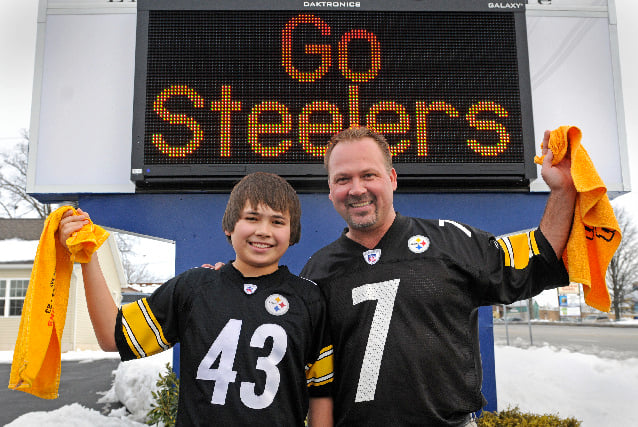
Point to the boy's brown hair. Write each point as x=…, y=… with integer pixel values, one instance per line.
x=357, y=134
x=270, y=190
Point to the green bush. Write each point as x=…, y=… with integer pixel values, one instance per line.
x=513, y=417
x=164, y=408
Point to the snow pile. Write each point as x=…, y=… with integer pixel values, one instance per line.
x=74, y=415
x=133, y=383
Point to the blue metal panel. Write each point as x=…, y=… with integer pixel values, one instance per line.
x=193, y=221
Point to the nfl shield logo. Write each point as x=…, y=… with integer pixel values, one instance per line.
x=372, y=256
x=249, y=288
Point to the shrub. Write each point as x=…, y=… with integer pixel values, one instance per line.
x=164, y=406
x=513, y=417
x=164, y=410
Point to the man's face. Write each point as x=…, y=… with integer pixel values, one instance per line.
x=361, y=189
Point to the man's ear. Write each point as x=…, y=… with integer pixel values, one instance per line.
x=393, y=179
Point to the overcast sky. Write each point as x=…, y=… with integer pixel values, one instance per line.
x=17, y=51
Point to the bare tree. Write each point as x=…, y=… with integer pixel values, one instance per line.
x=622, y=271
x=136, y=272
x=14, y=200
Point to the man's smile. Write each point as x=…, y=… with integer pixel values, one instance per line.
x=360, y=204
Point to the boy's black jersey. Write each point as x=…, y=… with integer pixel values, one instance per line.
x=250, y=348
x=404, y=317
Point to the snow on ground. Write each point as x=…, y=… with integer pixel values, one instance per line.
x=70, y=356
x=600, y=392
x=133, y=382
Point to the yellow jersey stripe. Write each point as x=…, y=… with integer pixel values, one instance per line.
x=506, y=251
x=519, y=249
x=315, y=382
x=322, y=371
x=144, y=332
x=533, y=244
x=163, y=342
x=133, y=347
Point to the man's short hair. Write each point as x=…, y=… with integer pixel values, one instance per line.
x=261, y=188
x=357, y=134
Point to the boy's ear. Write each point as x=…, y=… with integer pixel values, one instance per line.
x=227, y=233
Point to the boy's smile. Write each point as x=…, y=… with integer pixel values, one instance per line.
x=260, y=238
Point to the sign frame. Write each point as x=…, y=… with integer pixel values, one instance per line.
x=311, y=177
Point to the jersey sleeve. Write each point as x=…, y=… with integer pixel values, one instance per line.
x=320, y=362
x=521, y=266
x=149, y=325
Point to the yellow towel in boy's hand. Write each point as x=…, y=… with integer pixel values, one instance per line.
x=36, y=358
x=595, y=234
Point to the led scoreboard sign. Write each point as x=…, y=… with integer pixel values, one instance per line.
x=225, y=88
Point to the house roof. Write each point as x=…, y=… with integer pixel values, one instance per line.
x=21, y=228
x=18, y=240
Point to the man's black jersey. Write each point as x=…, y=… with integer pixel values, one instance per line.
x=250, y=348
x=404, y=317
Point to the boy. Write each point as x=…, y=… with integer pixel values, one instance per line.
x=247, y=331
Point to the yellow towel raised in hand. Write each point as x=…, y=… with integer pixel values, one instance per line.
x=595, y=234
x=36, y=358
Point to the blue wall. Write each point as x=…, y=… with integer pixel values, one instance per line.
x=193, y=221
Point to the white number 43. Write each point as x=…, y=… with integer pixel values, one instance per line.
x=225, y=348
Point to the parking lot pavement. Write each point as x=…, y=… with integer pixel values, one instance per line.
x=80, y=382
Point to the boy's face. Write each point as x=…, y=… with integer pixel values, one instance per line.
x=260, y=238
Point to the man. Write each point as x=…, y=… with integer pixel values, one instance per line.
x=403, y=293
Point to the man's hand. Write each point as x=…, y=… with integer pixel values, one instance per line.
x=217, y=266
x=557, y=177
x=559, y=211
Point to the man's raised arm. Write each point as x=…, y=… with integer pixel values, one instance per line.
x=557, y=219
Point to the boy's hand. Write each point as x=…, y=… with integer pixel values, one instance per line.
x=70, y=224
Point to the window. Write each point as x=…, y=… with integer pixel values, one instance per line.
x=12, y=293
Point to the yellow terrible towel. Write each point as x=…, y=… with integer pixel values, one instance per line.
x=595, y=233
x=36, y=358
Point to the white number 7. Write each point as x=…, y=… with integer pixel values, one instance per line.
x=384, y=293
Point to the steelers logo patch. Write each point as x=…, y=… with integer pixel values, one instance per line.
x=418, y=244
x=277, y=305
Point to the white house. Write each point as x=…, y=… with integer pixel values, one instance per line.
x=18, y=244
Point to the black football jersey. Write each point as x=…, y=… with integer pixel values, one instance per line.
x=404, y=316
x=249, y=347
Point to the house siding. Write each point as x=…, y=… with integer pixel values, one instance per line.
x=78, y=332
